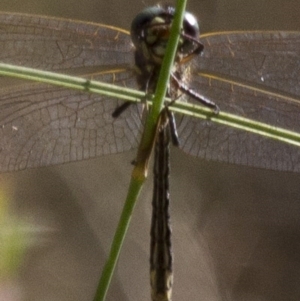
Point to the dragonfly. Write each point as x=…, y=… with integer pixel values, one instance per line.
x=44, y=125
x=252, y=74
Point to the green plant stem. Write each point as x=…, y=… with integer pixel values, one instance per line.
x=110, y=90
x=70, y=82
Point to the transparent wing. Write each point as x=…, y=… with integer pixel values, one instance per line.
x=62, y=45
x=44, y=125
x=254, y=75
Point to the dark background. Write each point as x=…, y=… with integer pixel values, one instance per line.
x=235, y=229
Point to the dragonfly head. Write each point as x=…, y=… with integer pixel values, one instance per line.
x=150, y=31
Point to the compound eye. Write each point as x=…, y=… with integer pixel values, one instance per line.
x=191, y=26
x=190, y=29
x=140, y=22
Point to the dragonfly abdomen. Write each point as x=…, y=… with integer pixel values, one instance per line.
x=161, y=274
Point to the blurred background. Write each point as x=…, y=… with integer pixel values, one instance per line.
x=236, y=233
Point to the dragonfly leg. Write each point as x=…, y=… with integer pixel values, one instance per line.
x=120, y=109
x=193, y=52
x=173, y=127
x=123, y=107
x=193, y=94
